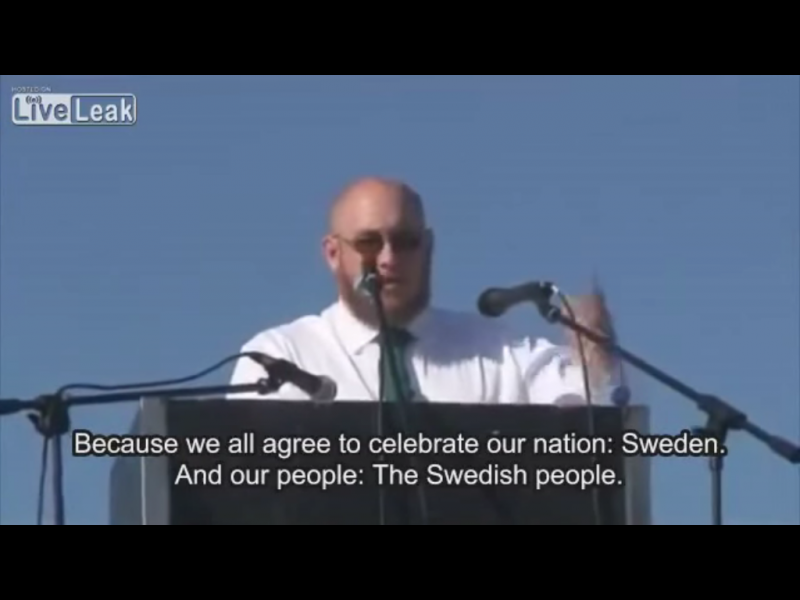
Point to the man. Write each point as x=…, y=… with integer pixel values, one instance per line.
x=448, y=356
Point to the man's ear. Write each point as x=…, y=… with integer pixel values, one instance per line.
x=330, y=251
x=431, y=240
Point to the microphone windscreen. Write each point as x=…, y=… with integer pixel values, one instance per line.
x=489, y=304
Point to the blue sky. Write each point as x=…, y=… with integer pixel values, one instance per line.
x=152, y=251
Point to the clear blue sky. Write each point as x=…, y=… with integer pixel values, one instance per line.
x=149, y=252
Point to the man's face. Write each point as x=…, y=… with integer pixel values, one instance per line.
x=381, y=227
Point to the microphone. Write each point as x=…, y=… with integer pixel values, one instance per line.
x=494, y=302
x=318, y=387
x=369, y=283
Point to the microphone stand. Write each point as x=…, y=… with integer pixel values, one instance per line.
x=372, y=283
x=721, y=417
x=50, y=417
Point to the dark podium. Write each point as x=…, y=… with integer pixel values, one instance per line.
x=143, y=490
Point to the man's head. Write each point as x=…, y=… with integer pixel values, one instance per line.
x=382, y=222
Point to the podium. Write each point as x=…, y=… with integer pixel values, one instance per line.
x=143, y=489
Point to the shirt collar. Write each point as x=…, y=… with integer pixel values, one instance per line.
x=356, y=335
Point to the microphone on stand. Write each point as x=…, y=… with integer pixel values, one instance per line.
x=494, y=302
x=369, y=284
x=318, y=387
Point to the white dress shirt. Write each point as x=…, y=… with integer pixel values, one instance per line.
x=456, y=357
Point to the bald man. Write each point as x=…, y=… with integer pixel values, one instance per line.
x=447, y=355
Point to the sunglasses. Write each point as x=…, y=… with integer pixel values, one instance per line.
x=372, y=244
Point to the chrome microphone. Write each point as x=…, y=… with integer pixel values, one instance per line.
x=369, y=282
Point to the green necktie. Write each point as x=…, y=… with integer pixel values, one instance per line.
x=400, y=340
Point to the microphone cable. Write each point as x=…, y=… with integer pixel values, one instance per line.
x=42, y=477
x=42, y=482
x=48, y=445
x=1, y=471
x=587, y=390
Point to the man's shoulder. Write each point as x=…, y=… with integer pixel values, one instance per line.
x=453, y=327
x=467, y=326
x=305, y=328
x=497, y=339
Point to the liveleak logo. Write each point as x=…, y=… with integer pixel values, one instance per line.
x=73, y=109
